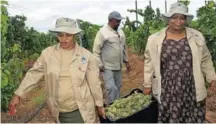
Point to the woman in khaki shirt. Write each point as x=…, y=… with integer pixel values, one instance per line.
x=176, y=61
x=72, y=85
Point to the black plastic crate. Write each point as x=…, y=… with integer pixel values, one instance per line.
x=147, y=115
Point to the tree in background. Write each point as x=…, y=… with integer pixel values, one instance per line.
x=4, y=26
x=19, y=45
x=137, y=36
x=89, y=33
x=11, y=63
x=30, y=40
x=205, y=23
x=186, y=2
x=16, y=30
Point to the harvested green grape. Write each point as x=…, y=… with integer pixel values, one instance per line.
x=125, y=107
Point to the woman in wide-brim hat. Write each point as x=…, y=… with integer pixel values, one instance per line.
x=176, y=61
x=177, y=8
x=72, y=84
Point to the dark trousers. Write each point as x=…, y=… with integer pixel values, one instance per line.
x=71, y=117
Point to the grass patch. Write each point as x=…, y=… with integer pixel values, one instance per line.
x=39, y=99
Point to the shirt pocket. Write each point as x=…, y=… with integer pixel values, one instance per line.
x=113, y=40
x=199, y=44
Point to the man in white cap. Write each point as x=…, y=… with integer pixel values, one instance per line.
x=73, y=88
x=176, y=62
x=110, y=50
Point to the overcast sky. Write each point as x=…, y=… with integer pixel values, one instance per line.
x=42, y=14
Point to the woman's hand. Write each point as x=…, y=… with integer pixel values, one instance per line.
x=101, y=112
x=146, y=91
x=13, y=104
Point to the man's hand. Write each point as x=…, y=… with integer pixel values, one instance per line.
x=213, y=83
x=101, y=69
x=101, y=72
x=146, y=91
x=128, y=66
x=13, y=104
x=213, y=86
x=101, y=112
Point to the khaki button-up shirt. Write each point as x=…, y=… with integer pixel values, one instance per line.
x=110, y=48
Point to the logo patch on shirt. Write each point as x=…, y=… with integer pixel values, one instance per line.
x=83, y=60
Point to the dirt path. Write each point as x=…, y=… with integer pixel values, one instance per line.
x=130, y=81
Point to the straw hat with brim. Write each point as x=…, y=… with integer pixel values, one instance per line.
x=66, y=25
x=177, y=8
